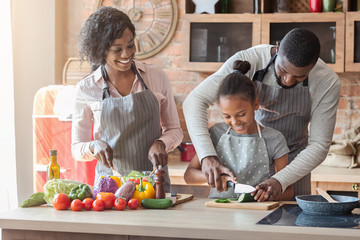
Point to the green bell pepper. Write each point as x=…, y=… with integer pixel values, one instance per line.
x=80, y=192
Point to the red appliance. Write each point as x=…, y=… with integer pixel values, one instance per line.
x=51, y=131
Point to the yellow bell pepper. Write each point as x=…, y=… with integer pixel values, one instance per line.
x=144, y=190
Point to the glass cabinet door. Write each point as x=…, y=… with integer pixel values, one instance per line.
x=210, y=39
x=329, y=27
x=216, y=42
x=352, y=52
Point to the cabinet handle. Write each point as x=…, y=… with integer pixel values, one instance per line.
x=355, y=186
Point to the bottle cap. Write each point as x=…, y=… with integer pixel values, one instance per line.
x=53, y=152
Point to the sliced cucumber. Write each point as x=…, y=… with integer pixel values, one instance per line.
x=157, y=203
x=246, y=197
x=222, y=200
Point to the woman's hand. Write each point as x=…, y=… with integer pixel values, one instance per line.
x=157, y=154
x=269, y=189
x=214, y=172
x=102, y=152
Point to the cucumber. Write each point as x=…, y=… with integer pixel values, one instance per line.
x=156, y=203
x=222, y=200
x=246, y=197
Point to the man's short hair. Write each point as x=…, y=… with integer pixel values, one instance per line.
x=301, y=47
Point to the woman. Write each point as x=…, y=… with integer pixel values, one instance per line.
x=129, y=103
x=252, y=152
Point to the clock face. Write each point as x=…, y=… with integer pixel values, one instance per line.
x=155, y=22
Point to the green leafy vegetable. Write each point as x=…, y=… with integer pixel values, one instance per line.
x=136, y=174
x=56, y=186
x=36, y=199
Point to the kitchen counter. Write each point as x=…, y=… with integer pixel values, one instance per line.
x=190, y=220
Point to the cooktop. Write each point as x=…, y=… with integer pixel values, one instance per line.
x=292, y=215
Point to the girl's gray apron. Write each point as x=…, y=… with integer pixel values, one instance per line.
x=288, y=111
x=246, y=157
x=130, y=125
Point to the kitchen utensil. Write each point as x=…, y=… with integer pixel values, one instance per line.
x=325, y=195
x=179, y=198
x=245, y=205
x=152, y=172
x=240, y=188
x=317, y=205
x=116, y=173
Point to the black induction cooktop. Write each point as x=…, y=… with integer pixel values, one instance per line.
x=292, y=215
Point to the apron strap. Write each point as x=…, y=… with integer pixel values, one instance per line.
x=133, y=67
x=227, y=132
x=259, y=130
x=106, y=91
x=260, y=74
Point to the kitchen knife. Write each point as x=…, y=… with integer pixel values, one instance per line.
x=240, y=188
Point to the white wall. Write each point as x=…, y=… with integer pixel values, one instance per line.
x=33, y=25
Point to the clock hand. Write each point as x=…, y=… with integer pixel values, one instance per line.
x=142, y=8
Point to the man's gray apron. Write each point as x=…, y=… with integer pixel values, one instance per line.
x=130, y=125
x=288, y=111
x=246, y=157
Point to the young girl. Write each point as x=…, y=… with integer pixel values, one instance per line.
x=252, y=152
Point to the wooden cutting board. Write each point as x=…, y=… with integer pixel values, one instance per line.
x=181, y=197
x=245, y=205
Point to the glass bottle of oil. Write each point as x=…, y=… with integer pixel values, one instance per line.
x=53, y=169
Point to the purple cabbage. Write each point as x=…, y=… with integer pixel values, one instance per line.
x=105, y=184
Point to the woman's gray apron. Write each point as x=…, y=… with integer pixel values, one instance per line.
x=288, y=111
x=130, y=125
x=246, y=157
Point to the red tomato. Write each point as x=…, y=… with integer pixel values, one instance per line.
x=120, y=204
x=76, y=205
x=98, y=205
x=136, y=181
x=87, y=202
x=108, y=198
x=133, y=203
x=61, y=201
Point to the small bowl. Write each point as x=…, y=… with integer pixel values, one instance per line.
x=317, y=205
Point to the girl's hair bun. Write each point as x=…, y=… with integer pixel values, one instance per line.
x=241, y=66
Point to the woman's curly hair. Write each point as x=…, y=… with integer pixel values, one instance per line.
x=99, y=32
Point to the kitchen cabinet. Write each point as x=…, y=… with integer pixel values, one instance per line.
x=205, y=35
x=329, y=27
x=203, y=31
x=352, y=52
x=334, y=179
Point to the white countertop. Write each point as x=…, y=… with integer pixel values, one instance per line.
x=188, y=220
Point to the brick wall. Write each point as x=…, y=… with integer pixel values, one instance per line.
x=348, y=114
x=182, y=82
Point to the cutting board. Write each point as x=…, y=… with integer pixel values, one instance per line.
x=245, y=205
x=181, y=197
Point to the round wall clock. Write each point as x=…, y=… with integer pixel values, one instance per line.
x=155, y=22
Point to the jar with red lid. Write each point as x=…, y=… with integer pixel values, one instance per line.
x=187, y=151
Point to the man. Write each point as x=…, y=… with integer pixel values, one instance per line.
x=294, y=87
